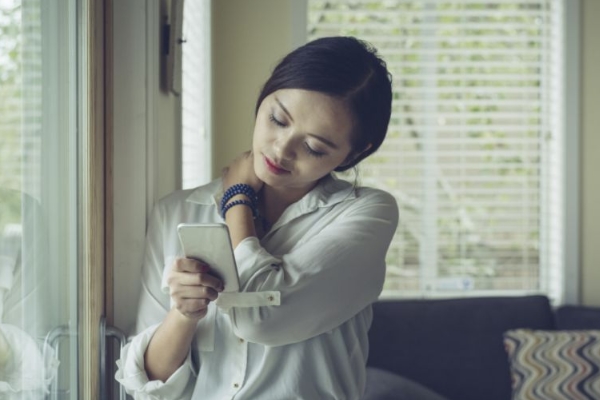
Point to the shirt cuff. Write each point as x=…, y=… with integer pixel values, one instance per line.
x=226, y=301
x=251, y=257
x=132, y=375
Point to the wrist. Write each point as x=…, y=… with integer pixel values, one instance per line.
x=185, y=321
x=239, y=197
x=247, y=206
x=240, y=194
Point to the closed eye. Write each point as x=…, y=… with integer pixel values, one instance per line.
x=313, y=152
x=276, y=121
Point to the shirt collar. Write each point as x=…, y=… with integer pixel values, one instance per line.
x=328, y=192
x=209, y=194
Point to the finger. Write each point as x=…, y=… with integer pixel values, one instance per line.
x=179, y=280
x=196, y=279
x=190, y=265
x=194, y=292
x=192, y=305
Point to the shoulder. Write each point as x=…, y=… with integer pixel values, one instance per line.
x=176, y=197
x=379, y=204
x=180, y=199
x=334, y=190
x=377, y=199
x=372, y=204
x=369, y=194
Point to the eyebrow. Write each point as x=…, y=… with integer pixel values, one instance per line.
x=313, y=135
x=285, y=110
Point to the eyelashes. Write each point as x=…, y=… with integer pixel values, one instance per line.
x=276, y=121
x=309, y=150
x=312, y=152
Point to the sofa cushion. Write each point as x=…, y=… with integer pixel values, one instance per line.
x=453, y=346
x=577, y=317
x=384, y=385
x=554, y=364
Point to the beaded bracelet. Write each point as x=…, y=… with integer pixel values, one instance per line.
x=240, y=188
x=237, y=203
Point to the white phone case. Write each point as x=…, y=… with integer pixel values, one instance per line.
x=211, y=244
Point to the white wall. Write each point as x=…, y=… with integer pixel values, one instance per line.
x=145, y=142
x=249, y=38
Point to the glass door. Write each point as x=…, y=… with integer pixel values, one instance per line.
x=46, y=249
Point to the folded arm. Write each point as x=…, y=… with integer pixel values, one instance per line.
x=324, y=281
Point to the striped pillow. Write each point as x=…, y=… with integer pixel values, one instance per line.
x=554, y=364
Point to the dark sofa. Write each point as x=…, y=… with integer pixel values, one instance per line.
x=454, y=347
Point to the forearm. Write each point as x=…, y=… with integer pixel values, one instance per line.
x=169, y=346
x=240, y=222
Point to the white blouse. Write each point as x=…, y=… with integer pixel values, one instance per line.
x=304, y=334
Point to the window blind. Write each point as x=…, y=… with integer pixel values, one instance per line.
x=195, y=89
x=474, y=147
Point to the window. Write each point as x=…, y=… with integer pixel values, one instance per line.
x=475, y=148
x=42, y=172
x=195, y=95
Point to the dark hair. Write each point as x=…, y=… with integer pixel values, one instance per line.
x=346, y=68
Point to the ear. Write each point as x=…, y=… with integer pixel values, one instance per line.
x=353, y=156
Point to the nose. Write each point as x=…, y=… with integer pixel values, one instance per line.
x=284, y=147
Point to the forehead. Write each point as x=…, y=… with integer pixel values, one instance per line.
x=316, y=112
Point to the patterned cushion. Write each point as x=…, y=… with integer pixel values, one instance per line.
x=554, y=364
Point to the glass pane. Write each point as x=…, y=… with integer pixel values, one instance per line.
x=38, y=200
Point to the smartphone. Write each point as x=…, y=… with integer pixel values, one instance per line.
x=211, y=244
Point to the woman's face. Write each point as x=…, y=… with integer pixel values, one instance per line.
x=299, y=137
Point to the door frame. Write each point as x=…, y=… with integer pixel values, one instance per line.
x=94, y=51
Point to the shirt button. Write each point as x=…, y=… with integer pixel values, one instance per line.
x=270, y=298
x=241, y=340
x=236, y=385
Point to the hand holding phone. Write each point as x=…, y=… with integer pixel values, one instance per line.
x=192, y=287
x=210, y=243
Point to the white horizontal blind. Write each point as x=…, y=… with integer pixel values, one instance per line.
x=474, y=148
x=195, y=95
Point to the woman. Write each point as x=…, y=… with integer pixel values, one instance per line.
x=310, y=246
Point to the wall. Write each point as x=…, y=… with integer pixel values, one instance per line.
x=249, y=37
x=590, y=145
x=167, y=118
x=145, y=148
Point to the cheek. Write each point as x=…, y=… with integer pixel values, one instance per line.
x=320, y=167
x=257, y=162
x=261, y=134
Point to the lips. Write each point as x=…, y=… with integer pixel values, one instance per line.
x=274, y=167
